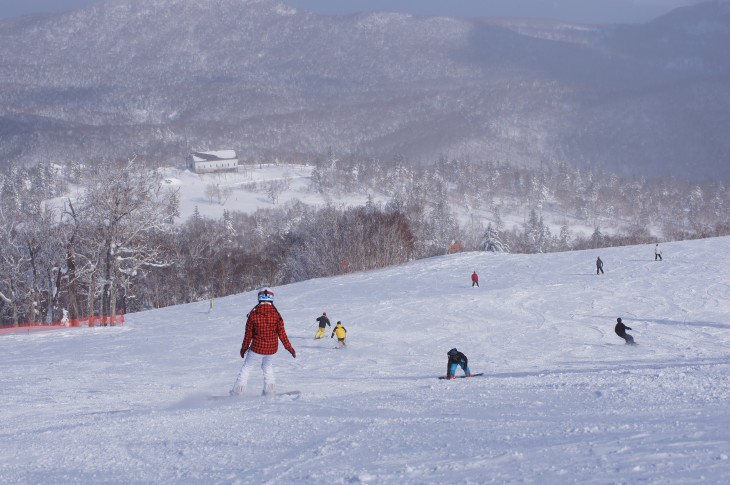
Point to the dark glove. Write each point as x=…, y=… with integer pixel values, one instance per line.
x=293, y=353
x=243, y=352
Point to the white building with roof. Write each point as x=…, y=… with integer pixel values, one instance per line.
x=214, y=161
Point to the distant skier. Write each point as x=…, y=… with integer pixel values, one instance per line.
x=323, y=323
x=264, y=329
x=456, y=359
x=474, y=279
x=620, y=330
x=599, y=266
x=657, y=253
x=341, y=333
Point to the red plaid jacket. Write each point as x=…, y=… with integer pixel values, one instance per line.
x=264, y=328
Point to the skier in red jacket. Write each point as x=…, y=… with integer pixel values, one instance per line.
x=264, y=329
x=474, y=279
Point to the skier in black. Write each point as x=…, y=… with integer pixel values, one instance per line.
x=599, y=265
x=323, y=323
x=620, y=330
x=456, y=359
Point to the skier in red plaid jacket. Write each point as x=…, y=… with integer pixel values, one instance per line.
x=264, y=329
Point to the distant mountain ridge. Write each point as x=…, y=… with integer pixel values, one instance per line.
x=161, y=77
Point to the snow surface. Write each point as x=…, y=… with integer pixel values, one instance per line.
x=563, y=400
x=248, y=193
x=246, y=199
x=193, y=188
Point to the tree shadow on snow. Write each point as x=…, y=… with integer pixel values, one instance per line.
x=661, y=321
x=616, y=367
x=690, y=323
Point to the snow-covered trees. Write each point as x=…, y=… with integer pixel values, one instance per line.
x=123, y=206
x=85, y=257
x=118, y=247
x=14, y=290
x=31, y=248
x=333, y=241
x=492, y=241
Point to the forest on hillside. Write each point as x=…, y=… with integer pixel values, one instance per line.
x=121, y=247
x=646, y=98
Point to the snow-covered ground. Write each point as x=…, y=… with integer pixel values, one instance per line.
x=248, y=189
x=192, y=188
x=563, y=400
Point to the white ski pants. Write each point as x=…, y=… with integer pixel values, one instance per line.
x=251, y=360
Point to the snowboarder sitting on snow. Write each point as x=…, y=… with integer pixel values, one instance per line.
x=323, y=322
x=341, y=332
x=620, y=330
x=456, y=359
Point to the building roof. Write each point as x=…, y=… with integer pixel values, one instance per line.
x=219, y=155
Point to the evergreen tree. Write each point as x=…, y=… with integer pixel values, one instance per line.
x=597, y=238
x=492, y=241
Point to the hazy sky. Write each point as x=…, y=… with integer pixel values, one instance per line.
x=591, y=11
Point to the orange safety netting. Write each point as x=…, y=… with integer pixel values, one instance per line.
x=114, y=320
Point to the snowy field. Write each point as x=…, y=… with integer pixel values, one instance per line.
x=248, y=189
x=563, y=400
x=247, y=192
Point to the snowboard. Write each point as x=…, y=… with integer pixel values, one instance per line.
x=463, y=376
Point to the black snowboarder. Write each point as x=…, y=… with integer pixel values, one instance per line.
x=620, y=330
x=599, y=266
x=456, y=359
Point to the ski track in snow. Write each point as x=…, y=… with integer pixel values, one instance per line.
x=563, y=400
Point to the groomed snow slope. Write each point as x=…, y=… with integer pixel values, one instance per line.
x=563, y=400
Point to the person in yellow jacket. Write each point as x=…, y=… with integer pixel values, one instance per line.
x=341, y=332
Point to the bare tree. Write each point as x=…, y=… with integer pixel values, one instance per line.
x=13, y=264
x=121, y=207
x=212, y=191
x=275, y=188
